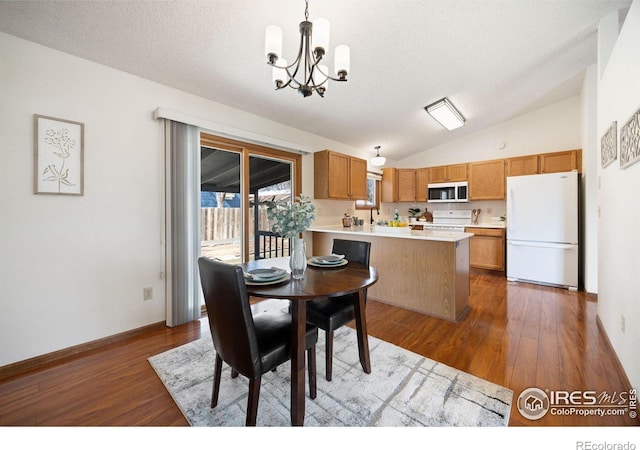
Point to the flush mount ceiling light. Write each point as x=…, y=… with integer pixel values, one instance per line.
x=314, y=42
x=378, y=160
x=446, y=114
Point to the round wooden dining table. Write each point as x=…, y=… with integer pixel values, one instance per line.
x=318, y=282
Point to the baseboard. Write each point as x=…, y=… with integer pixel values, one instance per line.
x=625, y=379
x=66, y=354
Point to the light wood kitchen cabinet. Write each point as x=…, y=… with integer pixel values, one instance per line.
x=522, y=165
x=406, y=185
x=561, y=161
x=545, y=163
x=339, y=176
x=398, y=185
x=442, y=174
x=422, y=180
x=389, y=185
x=487, y=180
x=487, y=248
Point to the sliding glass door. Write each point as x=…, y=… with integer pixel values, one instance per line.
x=237, y=179
x=269, y=179
x=220, y=205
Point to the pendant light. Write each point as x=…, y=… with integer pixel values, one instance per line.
x=378, y=160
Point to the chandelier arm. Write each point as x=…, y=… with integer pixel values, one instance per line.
x=291, y=82
x=329, y=77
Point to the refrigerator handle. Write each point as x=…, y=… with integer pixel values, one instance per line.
x=510, y=204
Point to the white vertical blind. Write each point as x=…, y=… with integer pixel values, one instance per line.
x=182, y=172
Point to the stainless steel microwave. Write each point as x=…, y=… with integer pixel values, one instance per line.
x=448, y=192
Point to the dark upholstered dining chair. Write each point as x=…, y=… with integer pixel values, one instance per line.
x=251, y=344
x=330, y=314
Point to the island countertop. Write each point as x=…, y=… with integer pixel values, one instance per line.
x=394, y=232
x=424, y=271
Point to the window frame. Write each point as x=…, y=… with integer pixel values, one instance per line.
x=363, y=205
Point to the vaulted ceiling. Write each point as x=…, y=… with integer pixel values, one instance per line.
x=493, y=59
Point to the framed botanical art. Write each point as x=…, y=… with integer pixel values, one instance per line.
x=58, y=156
x=608, y=146
x=630, y=141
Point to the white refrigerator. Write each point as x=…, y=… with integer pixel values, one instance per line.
x=542, y=229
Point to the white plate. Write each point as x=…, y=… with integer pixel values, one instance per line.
x=328, y=259
x=283, y=278
x=311, y=262
x=261, y=275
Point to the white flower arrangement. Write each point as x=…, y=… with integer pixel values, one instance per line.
x=289, y=219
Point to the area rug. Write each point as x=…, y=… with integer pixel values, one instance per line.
x=403, y=389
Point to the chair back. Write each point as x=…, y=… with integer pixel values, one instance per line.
x=229, y=313
x=356, y=251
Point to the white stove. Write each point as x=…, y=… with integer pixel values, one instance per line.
x=449, y=220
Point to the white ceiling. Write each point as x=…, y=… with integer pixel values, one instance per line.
x=493, y=59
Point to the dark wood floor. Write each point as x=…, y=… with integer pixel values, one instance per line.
x=516, y=335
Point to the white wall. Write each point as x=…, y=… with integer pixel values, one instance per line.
x=73, y=269
x=589, y=181
x=618, y=237
x=550, y=129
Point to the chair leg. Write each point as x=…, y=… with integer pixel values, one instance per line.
x=252, y=402
x=329, y=353
x=311, y=362
x=217, y=373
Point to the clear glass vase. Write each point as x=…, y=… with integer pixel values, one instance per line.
x=298, y=258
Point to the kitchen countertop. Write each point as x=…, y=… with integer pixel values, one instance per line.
x=394, y=232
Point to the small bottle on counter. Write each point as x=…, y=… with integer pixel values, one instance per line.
x=346, y=221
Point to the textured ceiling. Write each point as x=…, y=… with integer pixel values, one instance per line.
x=493, y=59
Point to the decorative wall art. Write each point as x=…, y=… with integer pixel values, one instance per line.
x=608, y=145
x=630, y=141
x=59, y=156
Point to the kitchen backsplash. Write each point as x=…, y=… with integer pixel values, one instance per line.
x=330, y=212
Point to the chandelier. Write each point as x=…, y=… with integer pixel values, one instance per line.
x=306, y=73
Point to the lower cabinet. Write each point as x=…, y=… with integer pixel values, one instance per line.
x=486, y=248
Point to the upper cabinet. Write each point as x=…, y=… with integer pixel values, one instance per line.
x=561, y=161
x=338, y=176
x=422, y=180
x=443, y=174
x=487, y=180
x=389, y=185
x=545, y=163
x=399, y=185
x=406, y=185
x=522, y=165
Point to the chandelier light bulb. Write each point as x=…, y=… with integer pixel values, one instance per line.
x=342, y=61
x=273, y=43
x=320, y=36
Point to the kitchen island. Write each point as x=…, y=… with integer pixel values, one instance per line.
x=424, y=271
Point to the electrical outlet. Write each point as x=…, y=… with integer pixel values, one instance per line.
x=148, y=293
x=622, y=323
